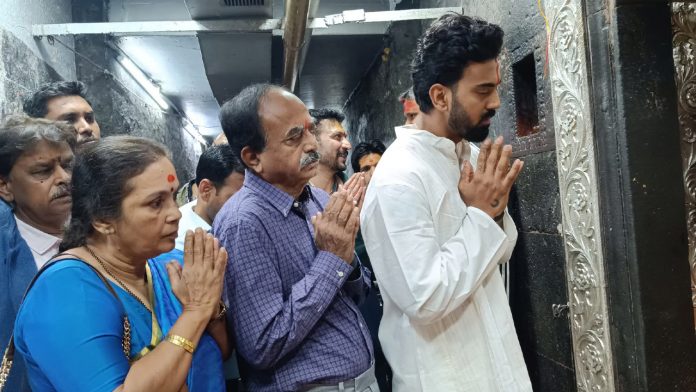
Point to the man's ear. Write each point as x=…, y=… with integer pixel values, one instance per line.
x=6, y=190
x=251, y=159
x=206, y=190
x=441, y=97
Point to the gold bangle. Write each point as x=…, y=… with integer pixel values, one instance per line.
x=181, y=342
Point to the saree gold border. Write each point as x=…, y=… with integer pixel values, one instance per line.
x=684, y=51
x=577, y=177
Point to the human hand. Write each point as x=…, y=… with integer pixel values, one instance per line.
x=336, y=227
x=488, y=187
x=198, y=286
x=356, y=186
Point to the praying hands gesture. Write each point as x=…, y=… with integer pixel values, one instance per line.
x=488, y=187
x=336, y=227
x=198, y=285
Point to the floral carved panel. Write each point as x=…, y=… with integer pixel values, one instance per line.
x=579, y=200
x=684, y=50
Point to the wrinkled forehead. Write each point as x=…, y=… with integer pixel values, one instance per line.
x=281, y=111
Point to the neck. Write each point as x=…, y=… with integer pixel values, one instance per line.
x=437, y=125
x=324, y=179
x=200, y=210
x=52, y=228
x=128, y=268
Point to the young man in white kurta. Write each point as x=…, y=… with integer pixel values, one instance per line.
x=447, y=325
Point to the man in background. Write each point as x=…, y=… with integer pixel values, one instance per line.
x=65, y=101
x=219, y=175
x=410, y=106
x=36, y=158
x=333, y=148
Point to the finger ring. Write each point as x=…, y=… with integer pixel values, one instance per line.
x=495, y=203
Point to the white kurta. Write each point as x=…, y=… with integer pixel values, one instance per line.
x=447, y=324
x=190, y=220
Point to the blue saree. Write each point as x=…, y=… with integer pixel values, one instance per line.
x=69, y=331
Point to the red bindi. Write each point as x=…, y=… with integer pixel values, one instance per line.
x=171, y=178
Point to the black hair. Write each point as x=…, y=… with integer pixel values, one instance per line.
x=37, y=104
x=446, y=49
x=217, y=163
x=326, y=114
x=374, y=146
x=100, y=181
x=241, y=121
x=19, y=134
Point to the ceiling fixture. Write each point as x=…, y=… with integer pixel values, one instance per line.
x=148, y=85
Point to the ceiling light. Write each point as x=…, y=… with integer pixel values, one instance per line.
x=144, y=82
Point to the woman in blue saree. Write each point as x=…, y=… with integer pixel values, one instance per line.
x=105, y=315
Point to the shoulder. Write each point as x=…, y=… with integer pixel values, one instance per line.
x=67, y=289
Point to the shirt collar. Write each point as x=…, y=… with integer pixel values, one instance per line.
x=458, y=152
x=37, y=240
x=279, y=199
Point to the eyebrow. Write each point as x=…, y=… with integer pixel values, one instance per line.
x=292, y=132
x=487, y=85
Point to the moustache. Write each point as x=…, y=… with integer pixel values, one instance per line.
x=309, y=158
x=342, y=154
x=61, y=192
x=489, y=114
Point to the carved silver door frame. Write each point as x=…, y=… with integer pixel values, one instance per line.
x=577, y=176
x=684, y=51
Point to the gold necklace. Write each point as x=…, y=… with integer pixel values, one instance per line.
x=114, y=277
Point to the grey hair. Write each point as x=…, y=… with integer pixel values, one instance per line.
x=19, y=134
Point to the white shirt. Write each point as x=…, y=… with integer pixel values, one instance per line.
x=43, y=246
x=189, y=221
x=447, y=324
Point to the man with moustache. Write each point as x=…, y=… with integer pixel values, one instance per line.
x=293, y=282
x=333, y=147
x=36, y=157
x=435, y=223
x=65, y=101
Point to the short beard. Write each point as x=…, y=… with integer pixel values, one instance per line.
x=460, y=123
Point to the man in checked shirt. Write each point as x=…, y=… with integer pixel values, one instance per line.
x=293, y=282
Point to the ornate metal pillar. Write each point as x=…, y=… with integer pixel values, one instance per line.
x=684, y=43
x=579, y=200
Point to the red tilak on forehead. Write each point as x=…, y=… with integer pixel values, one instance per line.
x=308, y=125
x=171, y=178
x=410, y=106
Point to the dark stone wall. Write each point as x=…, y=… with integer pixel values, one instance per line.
x=21, y=72
x=121, y=105
x=373, y=109
x=538, y=272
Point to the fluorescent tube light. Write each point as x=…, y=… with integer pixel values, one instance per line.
x=143, y=81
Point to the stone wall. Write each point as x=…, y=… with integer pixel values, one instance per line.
x=121, y=106
x=538, y=273
x=25, y=62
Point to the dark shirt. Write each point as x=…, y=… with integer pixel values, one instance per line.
x=293, y=310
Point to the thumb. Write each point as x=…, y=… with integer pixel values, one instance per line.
x=174, y=272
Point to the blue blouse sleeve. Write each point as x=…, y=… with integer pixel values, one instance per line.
x=70, y=329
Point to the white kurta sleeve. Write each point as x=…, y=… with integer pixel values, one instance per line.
x=426, y=280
